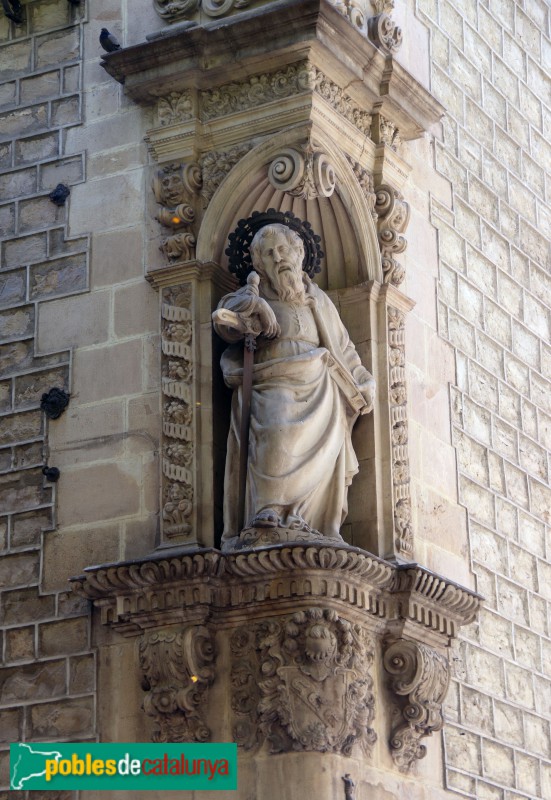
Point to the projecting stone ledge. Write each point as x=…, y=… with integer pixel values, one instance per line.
x=266, y=631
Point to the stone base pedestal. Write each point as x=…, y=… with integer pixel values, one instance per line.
x=327, y=666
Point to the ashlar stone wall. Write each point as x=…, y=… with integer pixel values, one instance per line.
x=75, y=312
x=488, y=68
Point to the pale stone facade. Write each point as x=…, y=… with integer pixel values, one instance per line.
x=472, y=399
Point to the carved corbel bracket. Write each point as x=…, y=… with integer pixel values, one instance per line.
x=174, y=187
x=305, y=173
x=393, y=218
x=419, y=677
x=303, y=682
x=178, y=668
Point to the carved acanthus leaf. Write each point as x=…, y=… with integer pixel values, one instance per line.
x=216, y=165
x=303, y=683
x=175, y=107
x=366, y=184
x=419, y=676
x=178, y=668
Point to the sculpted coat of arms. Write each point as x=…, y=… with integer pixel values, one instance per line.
x=303, y=684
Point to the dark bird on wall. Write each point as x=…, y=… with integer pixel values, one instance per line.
x=109, y=42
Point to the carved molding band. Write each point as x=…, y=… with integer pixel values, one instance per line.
x=130, y=594
x=178, y=668
x=306, y=174
x=399, y=432
x=174, y=10
x=420, y=676
x=178, y=455
x=302, y=682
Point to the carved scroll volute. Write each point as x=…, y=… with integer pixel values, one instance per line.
x=393, y=218
x=303, y=683
x=175, y=187
x=419, y=676
x=381, y=29
x=178, y=668
x=307, y=173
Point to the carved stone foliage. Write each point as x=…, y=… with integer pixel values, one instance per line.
x=419, y=675
x=177, y=386
x=303, y=683
x=174, y=187
x=215, y=165
x=385, y=132
x=366, y=183
x=304, y=173
x=178, y=668
x=393, y=213
x=173, y=10
x=175, y=107
x=399, y=432
x=267, y=87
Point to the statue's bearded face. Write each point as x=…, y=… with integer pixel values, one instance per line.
x=277, y=256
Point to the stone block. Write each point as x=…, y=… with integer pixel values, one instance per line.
x=5, y=396
x=136, y=310
x=58, y=47
x=451, y=246
x=67, y=553
x=527, y=648
x=485, y=671
x=7, y=220
x=27, y=527
x=71, y=719
x=537, y=608
x=31, y=682
x=495, y=247
x=71, y=79
x=462, y=749
x=67, y=171
x=7, y=94
x=449, y=92
x=59, y=277
x=117, y=197
x=484, y=387
x=537, y=735
x=36, y=148
x=517, y=376
x=534, y=244
x=39, y=213
x=17, y=323
x=77, y=322
x=544, y=573
x=543, y=696
x=489, y=548
x=139, y=537
x=99, y=492
x=40, y=87
x=58, y=245
x=63, y=638
x=519, y=685
x=498, y=762
x=66, y=111
x=540, y=505
x=21, y=427
x=17, y=184
x=11, y=726
x=508, y=724
x=462, y=334
x=484, y=201
x=494, y=104
x=91, y=433
x=477, y=421
x=21, y=121
x=82, y=674
x=517, y=485
x=107, y=265
x=28, y=455
x=479, y=500
x=20, y=644
x=110, y=371
x=15, y=59
x=6, y=155
x=489, y=354
x=25, y=606
x=19, y=569
x=48, y=14
x=533, y=458
x=470, y=303
x=13, y=287
x=527, y=774
x=30, y=388
x=476, y=711
x=25, y=250
x=472, y=457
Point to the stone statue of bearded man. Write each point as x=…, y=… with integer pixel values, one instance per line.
x=308, y=388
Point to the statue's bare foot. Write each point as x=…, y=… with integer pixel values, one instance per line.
x=267, y=518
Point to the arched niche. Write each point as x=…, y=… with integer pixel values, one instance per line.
x=343, y=221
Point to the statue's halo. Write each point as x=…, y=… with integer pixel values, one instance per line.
x=238, y=252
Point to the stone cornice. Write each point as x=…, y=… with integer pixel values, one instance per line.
x=203, y=56
x=175, y=586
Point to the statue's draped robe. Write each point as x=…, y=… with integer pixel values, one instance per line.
x=301, y=459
